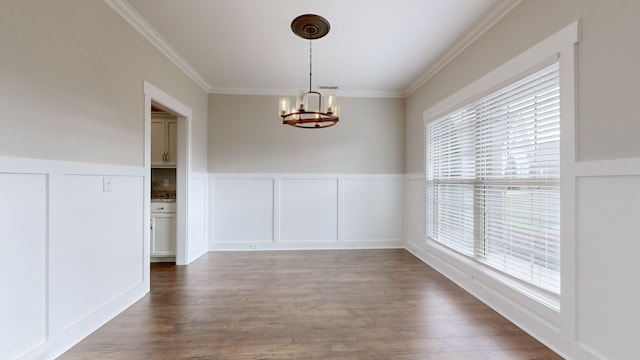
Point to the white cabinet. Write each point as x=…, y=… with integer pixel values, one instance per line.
x=163, y=141
x=163, y=229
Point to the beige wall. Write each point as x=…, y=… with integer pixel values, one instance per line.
x=608, y=76
x=246, y=135
x=71, y=84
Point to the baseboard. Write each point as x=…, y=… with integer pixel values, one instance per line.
x=60, y=343
x=319, y=245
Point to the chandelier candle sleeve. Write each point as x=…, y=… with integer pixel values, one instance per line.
x=284, y=106
x=301, y=103
x=331, y=102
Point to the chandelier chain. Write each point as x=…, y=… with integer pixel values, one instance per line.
x=310, y=64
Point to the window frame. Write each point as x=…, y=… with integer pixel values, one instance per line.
x=477, y=278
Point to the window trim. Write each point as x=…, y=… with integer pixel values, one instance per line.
x=490, y=284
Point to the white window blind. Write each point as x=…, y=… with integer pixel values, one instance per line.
x=493, y=174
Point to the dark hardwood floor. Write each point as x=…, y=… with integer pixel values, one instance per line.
x=342, y=304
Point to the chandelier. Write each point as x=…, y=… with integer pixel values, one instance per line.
x=308, y=113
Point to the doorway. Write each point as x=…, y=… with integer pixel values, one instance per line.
x=183, y=114
x=163, y=184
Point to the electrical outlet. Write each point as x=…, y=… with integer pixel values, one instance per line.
x=106, y=184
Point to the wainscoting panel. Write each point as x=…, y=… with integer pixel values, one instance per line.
x=98, y=244
x=306, y=211
x=242, y=210
x=197, y=216
x=23, y=269
x=373, y=209
x=416, y=211
x=608, y=290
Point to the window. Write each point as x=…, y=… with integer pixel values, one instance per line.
x=493, y=180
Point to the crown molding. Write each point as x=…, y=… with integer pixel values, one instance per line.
x=128, y=13
x=371, y=94
x=292, y=92
x=472, y=35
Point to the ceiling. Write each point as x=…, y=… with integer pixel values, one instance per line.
x=381, y=48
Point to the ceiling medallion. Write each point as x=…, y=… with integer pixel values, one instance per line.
x=310, y=27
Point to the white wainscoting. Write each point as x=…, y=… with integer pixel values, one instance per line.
x=373, y=209
x=416, y=210
x=23, y=269
x=74, y=255
x=98, y=244
x=608, y=276
x=197, y=216
x=242, y=211
x=306, y=211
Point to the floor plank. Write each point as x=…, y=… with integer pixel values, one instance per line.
x=334, y=304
